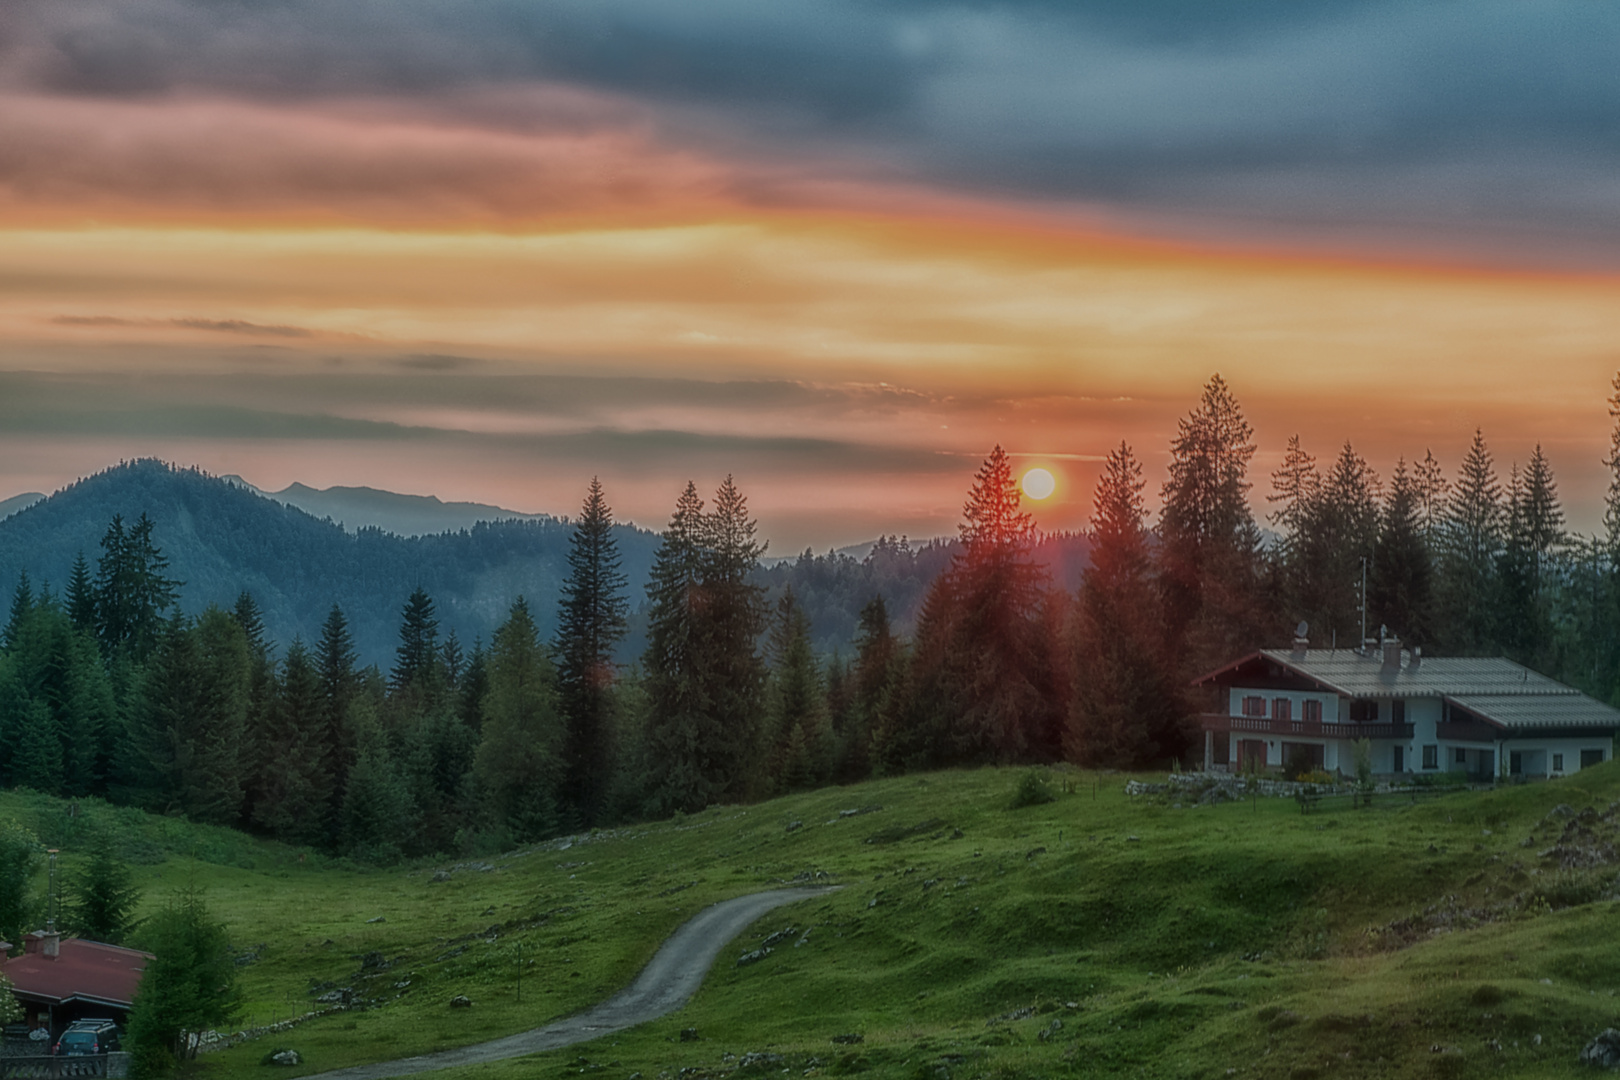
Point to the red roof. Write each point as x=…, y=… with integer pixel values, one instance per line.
x=85, y=969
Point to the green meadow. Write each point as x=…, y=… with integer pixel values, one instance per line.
x=1099, y=934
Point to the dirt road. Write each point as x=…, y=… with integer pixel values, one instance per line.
x=664, y=985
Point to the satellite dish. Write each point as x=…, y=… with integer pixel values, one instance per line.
x=1302, y=629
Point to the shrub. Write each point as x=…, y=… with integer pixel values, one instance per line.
x=1032, y=790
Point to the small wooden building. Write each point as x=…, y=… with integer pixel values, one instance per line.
x=59, y=981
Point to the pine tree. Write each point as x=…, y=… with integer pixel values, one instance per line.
x=1471, y=542
x=188, y=988
x=872, y=681
x=680, y=733
x=796, y=703
x=985, y=668
x=1400, y=587
x=22, y=605
x=186, y=737
x=334, y=662
x=474, y=686
x=1341, y=531
x=1209, y=549
x=132, y=589
x=102, y=898
x=293, y=782
x=1534, y=530
x=1126, y=708
x=591, y=621
x=81, y=596
x=21, y=854
x=418, y=640
x=519, y=765
x=734, y=614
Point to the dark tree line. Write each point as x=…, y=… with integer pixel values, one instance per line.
x=107, y=690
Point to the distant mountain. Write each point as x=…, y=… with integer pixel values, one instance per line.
x=356, y=508
x=18, y=502
x=221, y=537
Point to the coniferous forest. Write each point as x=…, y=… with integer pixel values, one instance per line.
x=1009, y=652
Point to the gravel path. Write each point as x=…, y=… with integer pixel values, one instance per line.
x=664, y=985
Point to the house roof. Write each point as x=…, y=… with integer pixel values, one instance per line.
x=87, y=970
x=1497, y=690
x=1356, y=675
x=1565, y=711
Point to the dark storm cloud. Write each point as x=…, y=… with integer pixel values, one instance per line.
x=1493, y=113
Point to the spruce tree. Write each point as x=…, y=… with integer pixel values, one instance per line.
x=681, y=738
x=1127, y=706
x=417, y=672
x=334, y=662
x=1400, y=589
x=22, y=605
x=189, y=987
x=294, y=784
x=519, y=766
x=81, y=596
x=591, y=621
x=871, y=683
x=1471, y=542
x=132, y=589
x=796, y=702
x=102, y=898
x=1209, y=546
x=986, y=672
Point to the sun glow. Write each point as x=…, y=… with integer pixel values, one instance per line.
x=1039, y=484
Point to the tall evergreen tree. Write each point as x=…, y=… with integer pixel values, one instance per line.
x=682, y=740
x=188, y=987
x=984, y=660
x=1471, y=542
x=293, y=783
x=416, y=660
x=1341, y=530
x=81, y=596
x=873, y=681
x=22, y=605
x=1532, y=534
x=796, y=702
x=102, y=898
x=1400, y=590
x=132, y=588
x=734, y=615
x=1127, y=706
x=591, y=621
x=334, y=661
x=519, y=764
x=1209, y=545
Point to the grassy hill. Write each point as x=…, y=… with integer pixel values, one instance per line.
x=1465, y=934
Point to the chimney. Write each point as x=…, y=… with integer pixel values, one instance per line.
x=1417, y=658
x=51, y=946
x=1302, y=642
x=1392, y=654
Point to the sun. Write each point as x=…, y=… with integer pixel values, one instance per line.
x=1038, y=483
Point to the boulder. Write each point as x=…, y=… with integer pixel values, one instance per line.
x=461, y=1001
x=1603, y=1051
x=286, y=1057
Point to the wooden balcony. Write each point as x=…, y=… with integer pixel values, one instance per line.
x=1263, y=725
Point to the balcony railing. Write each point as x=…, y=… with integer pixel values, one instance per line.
x=1264, y=725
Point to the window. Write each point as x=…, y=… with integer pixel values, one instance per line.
x=1254, y=706
x=1558, y=763
x=1515, y=763
x=1431, y=757
x=1364, y=712
x=1282, y=709
x=1591, y=757
x=1461, y=757
x=1312, y=711
x=1400, y=758
x=1397, y=711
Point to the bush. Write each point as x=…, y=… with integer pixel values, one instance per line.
x=1032, y=791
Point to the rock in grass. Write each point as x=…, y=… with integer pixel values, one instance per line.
x=282, y=1057
x=461, y=1001
x=689, y=1035
x=752, y=957
x=1603, y=1051
x=849, y=1040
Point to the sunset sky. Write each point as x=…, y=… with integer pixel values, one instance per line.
x=487, y=250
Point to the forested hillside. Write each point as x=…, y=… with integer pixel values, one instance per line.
x=222, y=540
